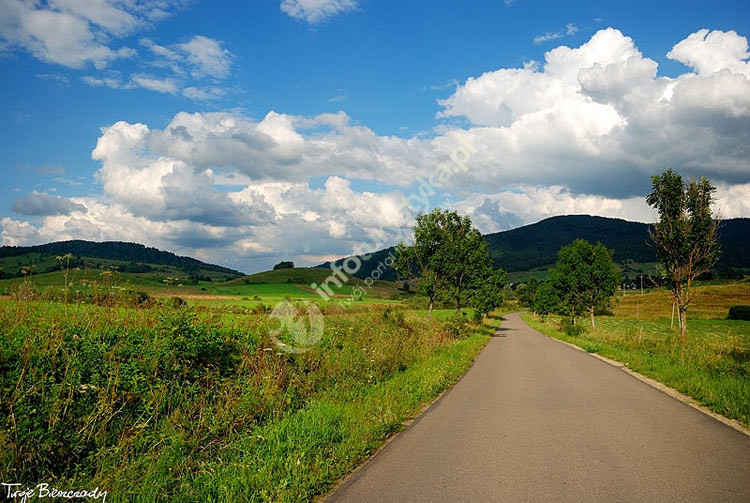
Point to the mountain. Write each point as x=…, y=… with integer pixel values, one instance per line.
x=536, y=245
x=129, y=257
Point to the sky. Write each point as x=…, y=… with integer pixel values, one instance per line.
x=245, y=133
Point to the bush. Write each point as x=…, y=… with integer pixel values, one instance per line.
x=740, y=312
x=570, y=328
x=457, y=327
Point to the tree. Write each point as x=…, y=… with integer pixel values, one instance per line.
x=685, y=235
x=283, y=265
x=584, y=278
x=486, y=292
x=545, y=299
x=449, y=257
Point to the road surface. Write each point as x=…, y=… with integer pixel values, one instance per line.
x=536, y=420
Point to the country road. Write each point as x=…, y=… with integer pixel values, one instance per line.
x=536, y=420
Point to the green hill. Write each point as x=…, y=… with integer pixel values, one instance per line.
x=534, y=247
x=126, y=257
x=296, y=276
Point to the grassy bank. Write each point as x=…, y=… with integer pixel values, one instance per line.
x=180, y=405
x=713, y=367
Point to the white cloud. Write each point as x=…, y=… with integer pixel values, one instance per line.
x=598, y=119
x=78, y=33
x=206, y=57
x=580, y=133
x=570, y=29
x=74, y=33
x=712, y=51
x=64, y=36
x=166, y=85
x=316, y=11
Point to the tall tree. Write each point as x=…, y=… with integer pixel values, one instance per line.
x=584, y=278
x=685, y=236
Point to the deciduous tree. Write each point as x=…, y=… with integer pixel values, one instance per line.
x=685, y=236
x=584, y=278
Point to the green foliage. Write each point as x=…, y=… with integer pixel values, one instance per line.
x=173, y=404
x=487, y=291
x=686, y=234
x=283, y=265
x=546, y=300
x=450, y=258
x=740, y=312
x=584, y=279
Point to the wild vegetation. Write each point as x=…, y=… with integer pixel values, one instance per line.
x=177, y=403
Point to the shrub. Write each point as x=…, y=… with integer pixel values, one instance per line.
x=570, y=328
x=740, y=312
x=457, y=327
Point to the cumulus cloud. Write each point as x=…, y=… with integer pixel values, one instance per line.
x=43, y=204
x=713, y=51
x=316, y=11
x=72, y=33
x=599, y=119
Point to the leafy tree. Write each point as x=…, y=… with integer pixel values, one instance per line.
x=487, y=292
x=545, y=299
x=449, y=257
x=685, y=236
x=283, y=265
x=584, y=278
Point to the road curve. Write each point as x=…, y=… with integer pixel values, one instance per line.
x=536, y=420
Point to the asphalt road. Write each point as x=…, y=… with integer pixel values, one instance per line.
x=536, y=420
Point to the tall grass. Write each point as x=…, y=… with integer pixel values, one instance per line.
x=176, y=404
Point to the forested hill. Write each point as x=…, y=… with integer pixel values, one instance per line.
x=536, y=245
x=117, y=251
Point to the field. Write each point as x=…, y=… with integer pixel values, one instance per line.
x=172, y=401
x=713, y=367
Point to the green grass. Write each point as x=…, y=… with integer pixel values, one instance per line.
x=182, y=405
x=713, y=367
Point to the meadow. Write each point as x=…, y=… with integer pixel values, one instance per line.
x=713, y=366
x=193, y=401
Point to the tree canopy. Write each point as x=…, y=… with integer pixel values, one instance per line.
x=449, y=257
x=583, y=281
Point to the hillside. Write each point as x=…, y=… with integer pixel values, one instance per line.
x=536, y=245
x=127, y=257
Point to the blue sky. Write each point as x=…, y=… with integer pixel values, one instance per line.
x=249, y=132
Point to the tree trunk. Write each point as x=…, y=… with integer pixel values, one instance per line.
x=430, y=308
x=683, y=324
x=593, y=325
x=671, y=321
